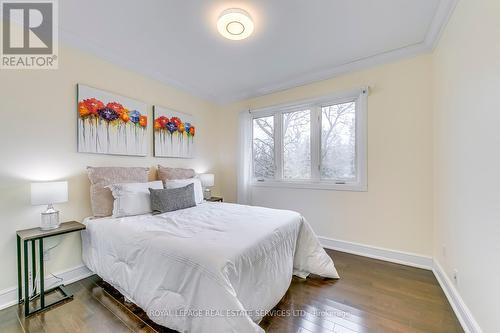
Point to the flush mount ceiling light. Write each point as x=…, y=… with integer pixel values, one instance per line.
x=235, y=24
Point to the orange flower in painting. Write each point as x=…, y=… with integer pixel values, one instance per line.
x=181, y=128
x=157, y=125
x=93, y=105
x=125, y=117
x=192, y=131
x=143, y=121
x=83, y=110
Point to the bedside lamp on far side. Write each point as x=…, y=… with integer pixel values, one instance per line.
x=49, y=193
x=207, y=181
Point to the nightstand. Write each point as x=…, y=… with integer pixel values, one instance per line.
x=30, y=236
x=215, y=199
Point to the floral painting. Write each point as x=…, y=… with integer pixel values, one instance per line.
x=111, y=124
x=174, y=133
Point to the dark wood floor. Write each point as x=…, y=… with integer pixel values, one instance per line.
x=372, y=296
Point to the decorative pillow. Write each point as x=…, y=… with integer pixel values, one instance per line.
x=166, y=173
x=176, y=183
x=168, y=200
x=132, y=198
x=101, y=199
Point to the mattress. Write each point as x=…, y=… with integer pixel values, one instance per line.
x=216, y=267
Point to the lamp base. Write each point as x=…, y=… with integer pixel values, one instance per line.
x=207, y=194
x=50, y=219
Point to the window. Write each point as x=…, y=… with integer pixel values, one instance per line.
x=319, y=143
x=263, y=147
x=338, y=142
x=297, y=145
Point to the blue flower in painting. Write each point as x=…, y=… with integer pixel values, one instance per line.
x=187, y=126
x=107, y=114
x=134, y=116
x=171, y=127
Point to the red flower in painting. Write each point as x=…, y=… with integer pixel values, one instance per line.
x=93, y=105
x=117, y=107
x=176, y=121
x=162, y=121
x=192, y=130
x=143, y=121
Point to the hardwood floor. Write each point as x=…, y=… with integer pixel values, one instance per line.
x=371, y=296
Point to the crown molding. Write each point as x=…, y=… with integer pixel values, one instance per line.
x=106, y=54
x=331, y=72
x=439, y=22
x=432, y=36
x=443, y=13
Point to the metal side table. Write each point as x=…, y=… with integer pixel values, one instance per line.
x=30, y=236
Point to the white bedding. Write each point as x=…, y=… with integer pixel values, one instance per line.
x=216, y=267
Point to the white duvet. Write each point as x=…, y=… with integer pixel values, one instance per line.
x=216, y=267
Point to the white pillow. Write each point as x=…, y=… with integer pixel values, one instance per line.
x=176, y=183
x=132, y=198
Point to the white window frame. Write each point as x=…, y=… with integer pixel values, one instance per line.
x=359, y=184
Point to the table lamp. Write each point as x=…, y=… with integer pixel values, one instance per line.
x=49, y=193
x=207, y=181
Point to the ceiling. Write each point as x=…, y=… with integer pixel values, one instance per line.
x=295, y=41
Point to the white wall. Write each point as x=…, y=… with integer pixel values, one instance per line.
x=467, y=156
x=396, y=212
x=38, y=142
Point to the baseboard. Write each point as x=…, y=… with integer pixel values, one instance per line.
x=461, y=310
x=398, y=257
x=458, y=305
x=8, y=297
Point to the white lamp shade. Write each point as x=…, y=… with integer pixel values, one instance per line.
x=207, y=179
x=49, y=193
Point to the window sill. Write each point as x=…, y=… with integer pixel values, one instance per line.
x=354, y=187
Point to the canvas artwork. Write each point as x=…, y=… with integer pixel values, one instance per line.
x=110, y=123
x=174, y=133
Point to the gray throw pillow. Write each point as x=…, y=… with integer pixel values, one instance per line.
x=168, y=200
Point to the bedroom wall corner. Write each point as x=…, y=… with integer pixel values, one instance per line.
x=466, y=69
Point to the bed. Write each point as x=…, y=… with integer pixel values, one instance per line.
x=216, y=267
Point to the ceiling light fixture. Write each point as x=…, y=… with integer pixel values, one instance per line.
x=235, y=24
